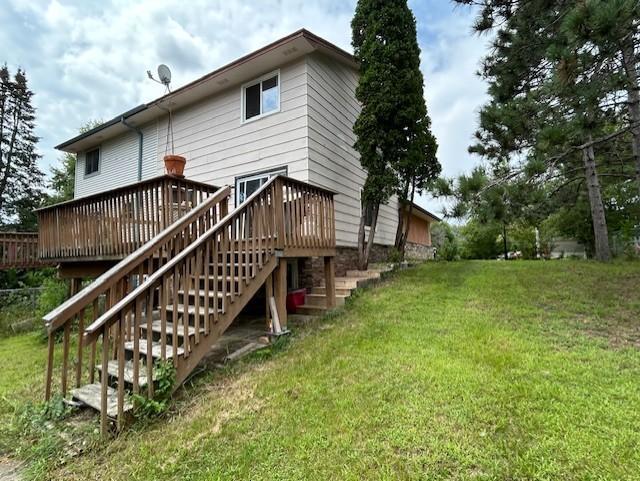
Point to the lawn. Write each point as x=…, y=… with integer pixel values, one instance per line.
x=467, y=370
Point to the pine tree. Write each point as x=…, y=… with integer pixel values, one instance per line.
x=393, y=111
x=20, y=177
x=549, y=98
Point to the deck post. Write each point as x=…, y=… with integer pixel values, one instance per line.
x=330, y=281
x=280, y=288
x=268, y=291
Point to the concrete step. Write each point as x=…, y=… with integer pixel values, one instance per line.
x=89, y=394
x=309, y=310
x=368, y=274
x=322, y=291
x=321, y=300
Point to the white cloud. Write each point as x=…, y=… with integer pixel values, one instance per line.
x=88, y=60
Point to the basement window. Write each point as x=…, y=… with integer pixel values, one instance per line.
x=92, y=162
x=261, y=97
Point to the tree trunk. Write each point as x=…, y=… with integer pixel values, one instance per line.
x=633, y=99
x=595, y=201
x=504, y=241
x=362, y=261
x=403, y=230
x=364, y=249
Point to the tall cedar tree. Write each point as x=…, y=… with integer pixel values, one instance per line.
x=20, y=177
x=550, y=95
x=393, y=111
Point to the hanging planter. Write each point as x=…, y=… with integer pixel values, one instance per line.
x=174, y=164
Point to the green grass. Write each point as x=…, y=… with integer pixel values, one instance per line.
x=469, y=370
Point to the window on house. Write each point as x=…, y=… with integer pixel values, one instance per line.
x=261, y=97
x=247, y=185
x=92, y=162
x=368, y=212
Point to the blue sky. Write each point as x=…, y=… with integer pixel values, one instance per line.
x=88, y=60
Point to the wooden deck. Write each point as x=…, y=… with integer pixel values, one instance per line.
x=113, y=224
x=19, y=250
x=174, y=296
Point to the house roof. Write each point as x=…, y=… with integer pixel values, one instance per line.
x=423, y=213
x=286, y=49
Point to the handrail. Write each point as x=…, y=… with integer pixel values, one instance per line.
x=133, y=186
x=71, y=307
x=99, y=323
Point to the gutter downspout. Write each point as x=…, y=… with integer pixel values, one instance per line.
x=138, y=204
x=140, y=144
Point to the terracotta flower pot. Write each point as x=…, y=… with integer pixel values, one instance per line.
x=174, y=165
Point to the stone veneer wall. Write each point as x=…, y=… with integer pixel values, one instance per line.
x=311, y=270
x=415, y=251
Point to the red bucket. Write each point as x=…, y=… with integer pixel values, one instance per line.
x=294, y=299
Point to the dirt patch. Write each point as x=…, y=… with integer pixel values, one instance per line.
x=10, y=470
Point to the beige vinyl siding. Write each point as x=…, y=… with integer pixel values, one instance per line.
x=219, y=147
x=333, y=163
x=119, y=162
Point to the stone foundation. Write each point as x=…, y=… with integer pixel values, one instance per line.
x=420, y=252
x=311, y=270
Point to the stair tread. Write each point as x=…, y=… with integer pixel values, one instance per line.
x=90, y=394
x=156, y=326
x=324, y=295
x=112, y=369
x=202, y=293
x=191, y=310
x=156, y=349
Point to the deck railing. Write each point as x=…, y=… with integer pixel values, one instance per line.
x=19, y=250
x=216, y=262
x=113, y=224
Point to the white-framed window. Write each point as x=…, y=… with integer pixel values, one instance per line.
x=248, y=184
x=261, y=97
x=91, y=162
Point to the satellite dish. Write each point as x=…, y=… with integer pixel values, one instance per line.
x=164, y=74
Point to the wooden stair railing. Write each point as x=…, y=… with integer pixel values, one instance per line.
x=178, y=311
x=181, y=309
x=113, y=285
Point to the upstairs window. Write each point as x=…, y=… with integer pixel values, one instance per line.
x=261, y=97
x=92, y=162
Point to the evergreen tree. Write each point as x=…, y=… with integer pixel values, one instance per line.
x=551, y=98
x=20, y=177
x=391, y=125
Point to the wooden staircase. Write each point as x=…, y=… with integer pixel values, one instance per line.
x=174, y=297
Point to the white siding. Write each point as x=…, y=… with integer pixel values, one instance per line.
x=219, y=147
x=119, y=162
x=333, y=163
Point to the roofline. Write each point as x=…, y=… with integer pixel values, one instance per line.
x=302, y=33
x=423, y=211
